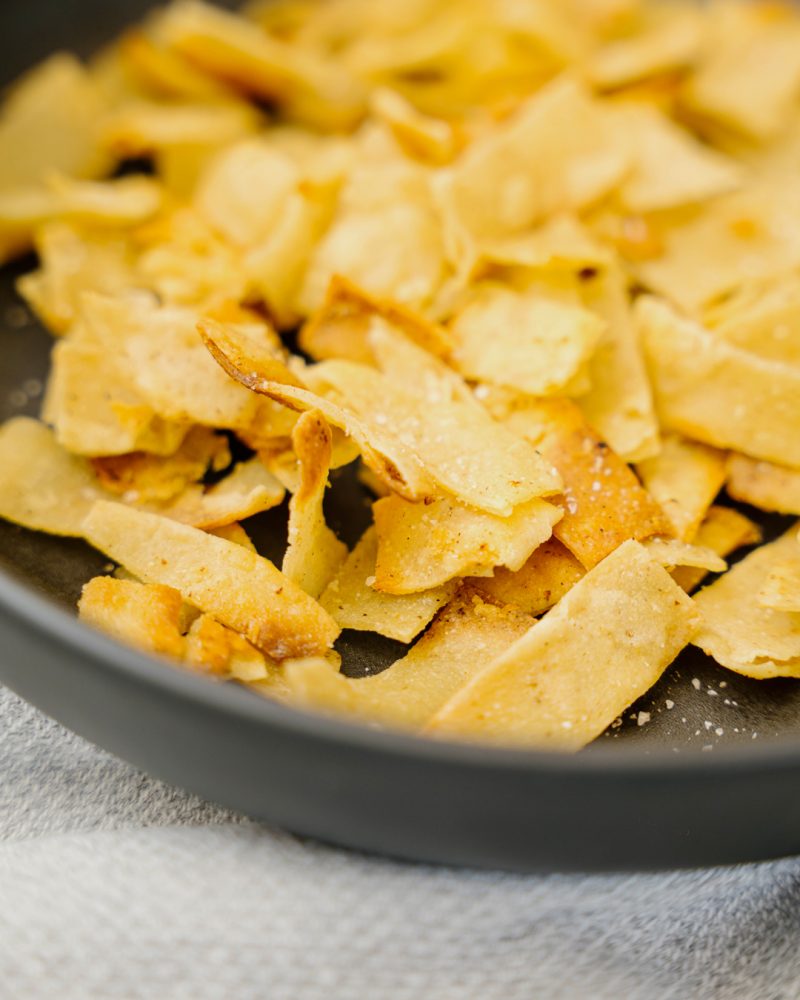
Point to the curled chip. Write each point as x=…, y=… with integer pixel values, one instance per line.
x=571, y=674
x=314, y=553
x=723, y=531
x=239, y=588
x=740, y=632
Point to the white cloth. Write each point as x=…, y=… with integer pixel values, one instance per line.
x=116, y=887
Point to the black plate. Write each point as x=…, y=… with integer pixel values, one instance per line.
x=711, y=779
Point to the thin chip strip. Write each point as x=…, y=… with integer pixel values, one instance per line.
x=465, y=636
x=147, y=616
x=563, y=682
x=741, y=633
x=545, y=578
x=723, y=531
x=314, y=553
x=241, y=589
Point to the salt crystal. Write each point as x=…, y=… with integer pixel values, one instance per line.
x=695, y=684
x=643, y=718
x=670, y=704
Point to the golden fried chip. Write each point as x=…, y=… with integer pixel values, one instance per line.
x=717, y=393
x=165, y=73
x=315, y=553
x=670, y=168
x=96, y=408
x=465, y=636
x=723, y=531
x=562, y=241
x=43, y=487
x=423, y=137
x=316, y=90
x=523, y=340
x=763, y=484
x=572, y=673
x=604, y=503
x=241, y=589
x=534, y=164
x=386, y=236
x=619, y=403
x=73, y=263
x=144, y=128
x=211, y=648
x=749, y=78
x=353, y=602
x=413, y=437
x=670, y=40
x=548, y=574
x=737, y=630
x=672, y=552
x=140, y=477
x=685, y=478
x=340, y=328
x=145, y=616
x=762, y=317
x=421, y=546
x=248, y=490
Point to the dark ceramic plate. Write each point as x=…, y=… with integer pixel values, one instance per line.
x=710, y=778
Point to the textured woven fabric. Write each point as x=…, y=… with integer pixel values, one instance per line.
x=113, y=885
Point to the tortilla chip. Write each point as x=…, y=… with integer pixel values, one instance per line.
x=669, y=41
x=140, y=477
x=422, y=137
x=315, y=89
x=465, y=636
x=421, y=546
x=582, y=163
x=548, y=574
x=315, y=553
x=739, y=632
x=619, y=403
x=762, y=317
x=145, y=616
x=523, y=340
x=604, y=503
x=213, y=649
x=241, y=589
x=248, y=490
x=353, y=602
x=145, y=128
x=450, y=440
x=670, y=168
x=763, y=485
x=43, y=487
x=685, y=478
x=723, y=531
x=340, y=328
x=749, y=78
x=96, y=408
x=572, y=673
x=73, y=263
x=386, y=236
x=672, y=552
x=717, y=393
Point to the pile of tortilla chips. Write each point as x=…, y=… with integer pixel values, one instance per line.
x=534, y=268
